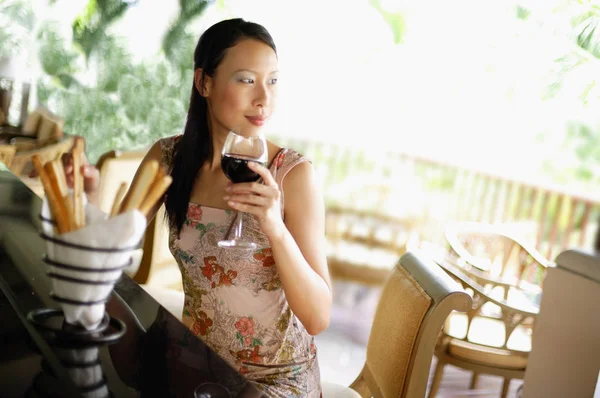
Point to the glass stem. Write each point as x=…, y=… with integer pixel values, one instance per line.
x=237, y=235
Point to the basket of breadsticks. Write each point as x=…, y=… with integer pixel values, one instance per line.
x=87, y=249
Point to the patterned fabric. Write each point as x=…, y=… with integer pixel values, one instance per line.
x=234, y=300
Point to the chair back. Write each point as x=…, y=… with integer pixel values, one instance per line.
x=493, y=323
x=495, y=254
x=416, y=300
x=116, y=167
x=7, y=153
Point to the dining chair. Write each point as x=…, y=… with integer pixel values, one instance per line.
x=494, y=337
x=7, y=153
x=416, y=299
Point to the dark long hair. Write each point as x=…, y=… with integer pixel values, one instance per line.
x=195, y=147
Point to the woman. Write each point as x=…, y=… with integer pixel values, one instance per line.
x=259, y=310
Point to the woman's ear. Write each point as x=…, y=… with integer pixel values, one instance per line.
x=203, y=87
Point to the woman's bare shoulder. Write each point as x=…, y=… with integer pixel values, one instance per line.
x=163, y=150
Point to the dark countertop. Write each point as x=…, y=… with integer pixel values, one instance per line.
x=156, y=357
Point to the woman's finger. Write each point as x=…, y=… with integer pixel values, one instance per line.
x=251, y=187
x=91, y=178
x=245, y=208
x=263, y=172
x=248, y=199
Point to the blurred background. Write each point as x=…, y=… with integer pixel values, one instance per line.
x=510, y=87
x=418, y=114
x=505, y=88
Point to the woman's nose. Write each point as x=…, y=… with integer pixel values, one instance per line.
x=262, y=96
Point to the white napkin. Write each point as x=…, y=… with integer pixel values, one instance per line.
x=121, y=232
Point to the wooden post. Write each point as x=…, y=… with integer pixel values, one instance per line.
x=6, y=90
x=597, y=240
x=26, y=87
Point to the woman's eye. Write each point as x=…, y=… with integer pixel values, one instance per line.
x=248, y=80
x=273, y=81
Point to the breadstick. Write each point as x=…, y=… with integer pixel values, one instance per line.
x=118, y=199
x=56, y=173
x=160, y=173
x=140, y=186
x=78, y=212
x=155, y=193
x=54, y=201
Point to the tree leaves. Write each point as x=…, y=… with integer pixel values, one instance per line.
x=89, y=28
x=113, y=63
x=55, y=56
x=16, y=24
x=177, y=42
x=395, y=20
x=588, y=37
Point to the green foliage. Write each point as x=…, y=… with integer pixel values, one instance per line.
x=522, y=12
x=588, y=37
x=89, y=28
x=395, y=20
x=114, y=63
x=57, y=58
x=122, y=104
x=178, y=45
x=17, y=19
x=585, y=141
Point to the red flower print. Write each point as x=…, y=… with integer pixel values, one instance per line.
x=248, y=340
x=254, y=357
x=245, y=326
x=243, y=370
x=247, y=355
x=215, y=273
x=209, y=269
x=266, y=256
x=227, y=279
x=201, y=324
x=313, y=349
x=194, y=214
x=279, y=159
x=219, y=271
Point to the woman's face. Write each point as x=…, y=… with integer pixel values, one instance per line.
x=241, y=94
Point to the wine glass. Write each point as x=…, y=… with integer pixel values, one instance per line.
x=237, y=152
x=211, y=390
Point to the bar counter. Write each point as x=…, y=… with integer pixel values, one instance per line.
x=145, y=351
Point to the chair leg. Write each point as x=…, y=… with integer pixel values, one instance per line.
x=474, y=378
x=505, y=387
x=437, y=379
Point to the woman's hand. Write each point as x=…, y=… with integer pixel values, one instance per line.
x=91, y=175
x=261, y=200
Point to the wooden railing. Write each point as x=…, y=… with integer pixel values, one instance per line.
x=435, y=193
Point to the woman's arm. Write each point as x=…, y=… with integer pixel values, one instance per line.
x=299, y=250
x=298, y=244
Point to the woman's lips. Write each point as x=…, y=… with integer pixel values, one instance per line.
x=256, y=120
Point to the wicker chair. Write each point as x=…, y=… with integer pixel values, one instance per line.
x=7, y=153
x=416, y=300
x=505, y=278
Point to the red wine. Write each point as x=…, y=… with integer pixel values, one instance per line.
x=236, y=168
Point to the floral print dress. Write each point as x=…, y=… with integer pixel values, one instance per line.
x=234, y=300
